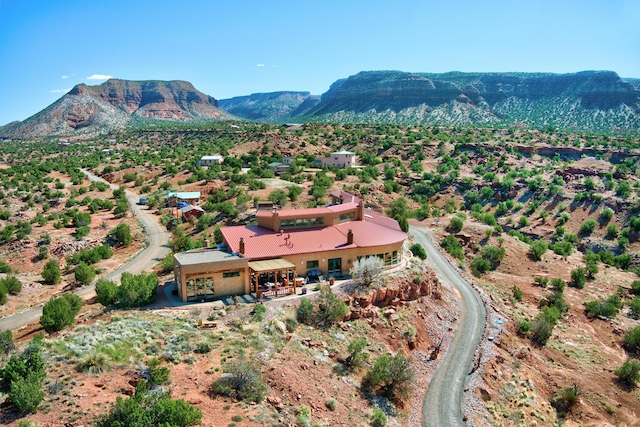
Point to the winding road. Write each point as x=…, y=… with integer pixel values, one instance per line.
x=442, y=406
x=156, y=249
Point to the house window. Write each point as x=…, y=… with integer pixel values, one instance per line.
x=302, y=222
x=228, y=274
x=313, y=264
x=347, y=216
x=317, y=221
x=287, y=223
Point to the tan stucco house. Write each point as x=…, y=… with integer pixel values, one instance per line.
x=269, y=259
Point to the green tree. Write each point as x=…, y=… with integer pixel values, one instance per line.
x=51, y=272
x=629, y=373
x=84, y=274
x=26, y=393
x=418, y=250
x=357, y=356
x=330, y=309
x=390, y=376
x=11, y=284
x=456, y=224
x=122, y=234
x=137, y=290
x=578, y=277
x=537, y=248
x=278, y=197
x=60, y=312
x=631, y=340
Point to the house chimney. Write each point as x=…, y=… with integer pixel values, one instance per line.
x=350, y=237
x=206, y=243
x=242, y=245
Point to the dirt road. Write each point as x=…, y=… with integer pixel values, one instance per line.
x=442, y=406
x=156, y=249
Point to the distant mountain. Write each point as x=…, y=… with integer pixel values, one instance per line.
x=117, y=104
x=589, y=100
x=274, y=107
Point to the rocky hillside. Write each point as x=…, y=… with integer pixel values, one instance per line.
x=589, y=100
x=274, y=107
x=117, y=104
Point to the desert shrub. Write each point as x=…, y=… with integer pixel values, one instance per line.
x=629, y=373
x=541, y=281
x=6, y=343
x=4, y=267
x=331, y=404
x=524, y=327
x=479, y=266
x=106, y=292
x=94, y=362
x=517, y=293
x=51, y=272
x=563, y=248
x=60, y=312
x=541, y=329
x=330, y=308
x=24, y=374
x=258, y=312
x=84, y=274
x=631, y=339
x=635, y=287
x=12, y=285
x=378, y=418
x=26, y=393
x=305, y=311
x=606, y=214
x=390, y=376
x=450, y=244
x=578, y=277
x=357, y=356
x=588, y=226
x=456, y=224
x=150, y=409
x=367, y=271
x=537, y=248
x=418, y=250
x=303, y=416
x=122, y=234
x=558, y=284
x=566, y=400
x=634, y=306
x=241, y=381
x=612, y=231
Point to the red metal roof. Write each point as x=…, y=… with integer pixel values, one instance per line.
x=262, y=243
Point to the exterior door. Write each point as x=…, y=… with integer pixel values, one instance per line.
x=334, y=267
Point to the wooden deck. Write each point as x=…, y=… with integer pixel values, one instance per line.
x=276, y=292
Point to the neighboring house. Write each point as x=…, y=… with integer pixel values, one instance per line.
x=341, y=159
x=188, y=197
x=190, y=210
x=211, y=160
x=267, y=259
x=279, y=168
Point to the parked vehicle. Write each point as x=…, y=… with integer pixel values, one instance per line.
x=142, y=201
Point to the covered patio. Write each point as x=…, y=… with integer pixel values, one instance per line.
x=273, y=278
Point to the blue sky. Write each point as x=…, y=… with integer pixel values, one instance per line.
x=233, y=48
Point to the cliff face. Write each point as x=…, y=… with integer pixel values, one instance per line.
x=590, y=100
x=116, y=104
x=274, y=107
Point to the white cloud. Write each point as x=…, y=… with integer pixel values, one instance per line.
x=68, y=76
x=59, y=90
x=260, y=65
x=99, y=77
